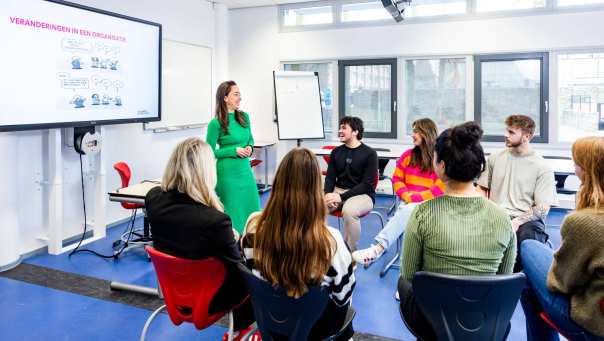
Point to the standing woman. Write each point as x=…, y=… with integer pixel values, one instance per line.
x=230, y=129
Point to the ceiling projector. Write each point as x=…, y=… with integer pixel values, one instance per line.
x=396, y=8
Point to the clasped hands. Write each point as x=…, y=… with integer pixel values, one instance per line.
x=244, y=152
x=333, y=200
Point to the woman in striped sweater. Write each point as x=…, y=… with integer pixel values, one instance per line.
x=459, y=233
x=414, y=181
x=290, y=245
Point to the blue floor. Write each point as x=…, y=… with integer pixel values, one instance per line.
x=63, y=316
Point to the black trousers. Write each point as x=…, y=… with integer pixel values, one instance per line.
x=328, y=324
x=414, y=318
x=531, y=230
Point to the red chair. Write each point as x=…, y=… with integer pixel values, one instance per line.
x=327, y=158
x=125, y=174
x=128, y=237
x=188, y=287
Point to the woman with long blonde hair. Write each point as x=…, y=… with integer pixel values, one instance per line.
x=290, y=245
x=187, y=221
x=572, y=292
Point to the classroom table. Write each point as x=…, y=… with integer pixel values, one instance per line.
x=264, y=146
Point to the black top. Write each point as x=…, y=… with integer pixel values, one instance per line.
x=184, y=228
x=354, y=169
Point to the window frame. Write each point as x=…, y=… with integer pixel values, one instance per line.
x=342, y=64
x=544, y=90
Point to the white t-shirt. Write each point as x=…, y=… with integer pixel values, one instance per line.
x=518, y=183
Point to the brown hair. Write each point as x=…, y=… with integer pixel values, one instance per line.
x=523, y=122
x=588, y=153
x=292, y=245
x=222, y=112
x=422, y=155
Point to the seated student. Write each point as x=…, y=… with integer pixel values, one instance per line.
x=187, y=221
x=290, y=245
x=569, y=284
x=414, y=181
x=350, y=179
x=520, y=181
x=459, y=233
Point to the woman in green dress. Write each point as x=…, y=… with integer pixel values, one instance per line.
x=230, y=129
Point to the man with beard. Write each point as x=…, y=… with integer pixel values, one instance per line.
x=350, y=180
x=520, y=181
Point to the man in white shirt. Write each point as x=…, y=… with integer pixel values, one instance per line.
x=520, y=181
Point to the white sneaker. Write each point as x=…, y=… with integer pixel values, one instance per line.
x=396, y=296
x=368, y=255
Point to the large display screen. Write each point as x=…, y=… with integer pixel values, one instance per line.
x=66, y=65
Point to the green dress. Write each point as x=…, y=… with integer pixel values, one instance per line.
x=236, y=183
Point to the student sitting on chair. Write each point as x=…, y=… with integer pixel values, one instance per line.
x=520, y=181
x=414, y=181
x=569, y=285
x=289, y=244
x=351, y=176
x=459, y=233
x=187, y=221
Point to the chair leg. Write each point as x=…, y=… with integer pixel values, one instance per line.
x=231, y=326
x=149, y=320
x=394, y=260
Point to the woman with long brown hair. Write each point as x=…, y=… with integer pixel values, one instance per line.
x=230, y=129
x=290, y=245
x=569, y=284
x=414, y=181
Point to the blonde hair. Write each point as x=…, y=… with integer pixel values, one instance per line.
x=192, y=170
x=292, y=245
x=588, y=153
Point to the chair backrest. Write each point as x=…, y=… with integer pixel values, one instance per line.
x=124, y=171
x=188, y=286
x=125, y=174
x=468, y=307
x=326, y=158
x=277, y=313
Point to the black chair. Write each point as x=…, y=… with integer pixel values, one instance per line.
x=468, y=307
x=280, y=315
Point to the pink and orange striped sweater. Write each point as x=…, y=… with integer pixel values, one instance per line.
x=413, y=185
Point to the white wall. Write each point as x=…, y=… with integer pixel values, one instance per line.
x=192, y=21
x=259, y=48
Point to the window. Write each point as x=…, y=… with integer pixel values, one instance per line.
x=580, y=95
x=326, y=85
x=504, y=5
x=307, y=16
x=566, y=3
x=429, y=8
x=511, y=84
x=367, y=89
x=436, y=89
x=364, y=11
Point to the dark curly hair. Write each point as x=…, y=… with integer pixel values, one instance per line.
x=459, y=147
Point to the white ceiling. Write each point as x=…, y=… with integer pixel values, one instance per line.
x=256, y=3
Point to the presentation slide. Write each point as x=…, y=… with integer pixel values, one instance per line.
x=64, y=64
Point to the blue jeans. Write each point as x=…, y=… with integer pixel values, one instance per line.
x=395, y=226
x=537, y=259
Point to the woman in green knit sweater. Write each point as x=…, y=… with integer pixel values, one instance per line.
x=230, y=129
x=459, y=233
x=572, y=292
